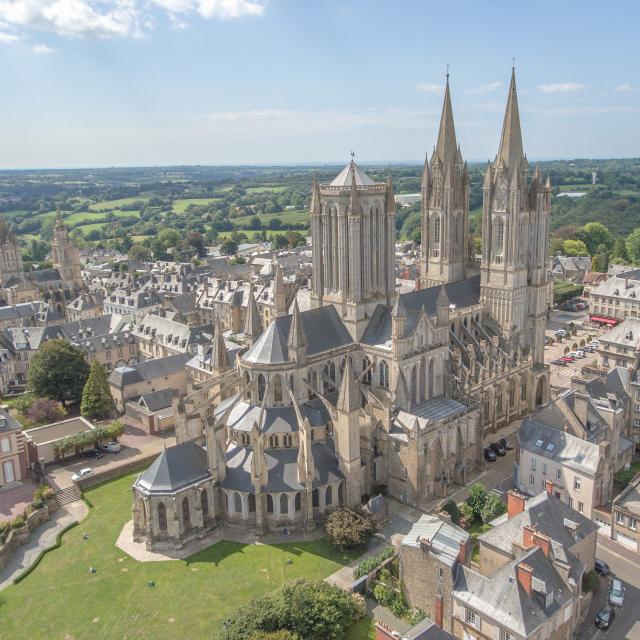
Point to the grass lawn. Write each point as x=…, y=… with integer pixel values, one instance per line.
x=61, y=600
x=265, y=189
x=108, y=205
x=362, y=630
x=476, y=529
x=180, y=206
x=286, y=217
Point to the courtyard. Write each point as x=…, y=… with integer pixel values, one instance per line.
x=124, y=599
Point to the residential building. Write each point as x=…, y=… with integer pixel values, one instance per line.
x=626, y=516
x=620, y=346
x=14, y=461
x=617, y=297
x=570, y=268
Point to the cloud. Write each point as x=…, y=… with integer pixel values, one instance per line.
x=109, y=18
x=561, y=87
x=435, y=89
x=6, y=38
x=622, y=87
x=485, y=88
x=42, y=49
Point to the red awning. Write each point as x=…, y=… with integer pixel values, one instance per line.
x=610, y=321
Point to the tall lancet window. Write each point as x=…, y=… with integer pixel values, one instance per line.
x=436, y=230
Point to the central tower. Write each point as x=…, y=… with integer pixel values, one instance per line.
x=445, y=206
x=353, y=236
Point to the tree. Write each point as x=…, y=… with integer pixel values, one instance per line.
x=477, y=498
x=574, y=248
x=229, y=247
x=451, y=508
x=139, y=253
x=279, y=242
x=348, y=528
x=633, y=246
x=97, y=402
x=493, y=507
x=58, y=370
x=44, y=410
x=620, y=255
x=282, y=634
x=594, y=234
x=600, y=261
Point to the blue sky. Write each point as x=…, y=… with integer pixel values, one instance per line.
x=151, y=82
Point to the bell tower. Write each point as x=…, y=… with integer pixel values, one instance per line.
x=65, y=256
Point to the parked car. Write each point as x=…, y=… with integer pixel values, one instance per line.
x=112, y=447
x=616, y=593
x=605, y=617
x=94, y=454
x=490, y=455
x=83, y=473
x=497, y=448
x=505, y=444
x=561, y=332
x=602, y=568
x=567, y=359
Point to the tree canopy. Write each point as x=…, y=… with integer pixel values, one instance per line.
x=97, y=402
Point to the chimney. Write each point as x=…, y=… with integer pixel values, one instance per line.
x=525, y=576
x=515, y=503
x=533, y=538
x=463, y=550
x=438, y=613
x=548, y=485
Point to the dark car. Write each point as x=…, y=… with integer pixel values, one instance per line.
x=602, y=568
x=497, y=448
x=505, y=444
x=605, y=617
x=94, y=454
x=490, y=455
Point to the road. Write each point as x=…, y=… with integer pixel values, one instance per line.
x=626, y=625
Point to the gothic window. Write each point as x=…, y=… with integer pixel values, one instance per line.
x=512, y=394
x=332, y=372
x=292, y=385
x=436, y=229
x=423, y=379
x=252, y=503
x=328, y=496
x=315, y=498
x=325, y=381
x=298, y=502
x=186, y=515
x=523, y=392
x=284, y=503
x=500, y=234
x=273, y=442
x=261, y=387
x=162, y=517
x=204, y=503
x=277, y=388
x=499, y=403
x=366, y=364
x=237, y=502
x=287, y=441
x=414, y=384
x=384, y=374
x=430, y=378
x=269, y=503
x=314, y=380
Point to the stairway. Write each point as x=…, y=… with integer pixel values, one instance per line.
x=68, y=495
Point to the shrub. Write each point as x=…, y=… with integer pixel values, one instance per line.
x=18, y=522
x=477, y=498
x=451, y=508
x=492, y=508
x=590, y=581
x=369, y=564
x=415, y=616
x=348, y=528
x=283, y=634
x=45, y=410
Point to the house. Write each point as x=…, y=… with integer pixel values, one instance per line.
x=134, y=380
x=14, y=461
x=570, y=268
x=620, y=346
x=617, y=297
x=86, y=305
x=42, y=441
x=152, y=411
x=626, y=516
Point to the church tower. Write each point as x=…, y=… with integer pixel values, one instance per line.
x=515, y=221
x=445, y=206
x=353, y=236
x=65, y=256
x=10, y=255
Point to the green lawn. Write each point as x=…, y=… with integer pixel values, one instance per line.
x=275, y=189
x=362, y=630
x=61, y=600
x=286, y=218
x=108, y=205
x=180, y=206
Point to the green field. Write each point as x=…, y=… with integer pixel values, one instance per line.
x=180, y=206
x=274, y=189
x=362, y=630
x=61, y=600
x=109, y=205
x=286, y=218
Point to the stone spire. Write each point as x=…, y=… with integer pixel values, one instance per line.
x=510, y=151
x=297, y=339
x=447, y=145
x=252, y=324
x=59, y=224
x=425, y=183
x=219, y=357
x=315, y=195
x=390, y=201
x=442, y=307
x=349, y=398
x=279, y=293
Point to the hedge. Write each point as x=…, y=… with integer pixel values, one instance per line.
x=370, y=563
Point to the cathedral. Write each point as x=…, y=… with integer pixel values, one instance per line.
x=369, y=390
x=57, y=285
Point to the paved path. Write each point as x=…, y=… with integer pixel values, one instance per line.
x=42, y=538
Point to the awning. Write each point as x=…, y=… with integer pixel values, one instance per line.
x=610, y=321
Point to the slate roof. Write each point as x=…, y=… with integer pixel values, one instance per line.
x=463, y=293
x=44, y=275
x=175, y=468
x=8, y=423
x=157, y=400
x=344, y=178
x=148, y=370
x=444, y=536
x=323, y=328
x=426, y=630
x=502, y=598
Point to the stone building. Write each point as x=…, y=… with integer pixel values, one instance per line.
x=371, y=388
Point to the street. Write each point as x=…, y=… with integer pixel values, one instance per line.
x=626, y=625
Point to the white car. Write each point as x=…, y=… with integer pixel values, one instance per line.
x=83, y=473
x=112, y=447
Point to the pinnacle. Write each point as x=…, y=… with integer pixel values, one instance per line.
x=349, y=397
x=219, y=358
x=447, y=144
x=510, y=151
x=297, y=337
x=442, y=299
x=252, y=326
x=399, y=310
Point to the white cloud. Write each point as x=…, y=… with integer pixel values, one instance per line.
x=435, y=89
x=42, y=49
x=6, y=38
x=561, y=87
x=107, y=18
x=485, y=88
x=622, y=87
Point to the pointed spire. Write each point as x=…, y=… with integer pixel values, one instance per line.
x=401, y=392
x=488, y=176
x=297, y=338
x=315, y=195
x=426, y=174
x=59, y=224
x=510, y=151
x=443, y=299
x=399, y=310
x=353, y=198
x=219, y=357
x=447, y=144
x=349, y=398
x=252, y=324
x=279, y=293
x=547, y=183
x=390, y=202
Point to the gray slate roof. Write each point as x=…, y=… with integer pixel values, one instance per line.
x=148, y=370
x=8, y=423
x=175, y=468
x=445, y=537
x=157, y=400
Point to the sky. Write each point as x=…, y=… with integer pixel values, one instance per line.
x=159, y=82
